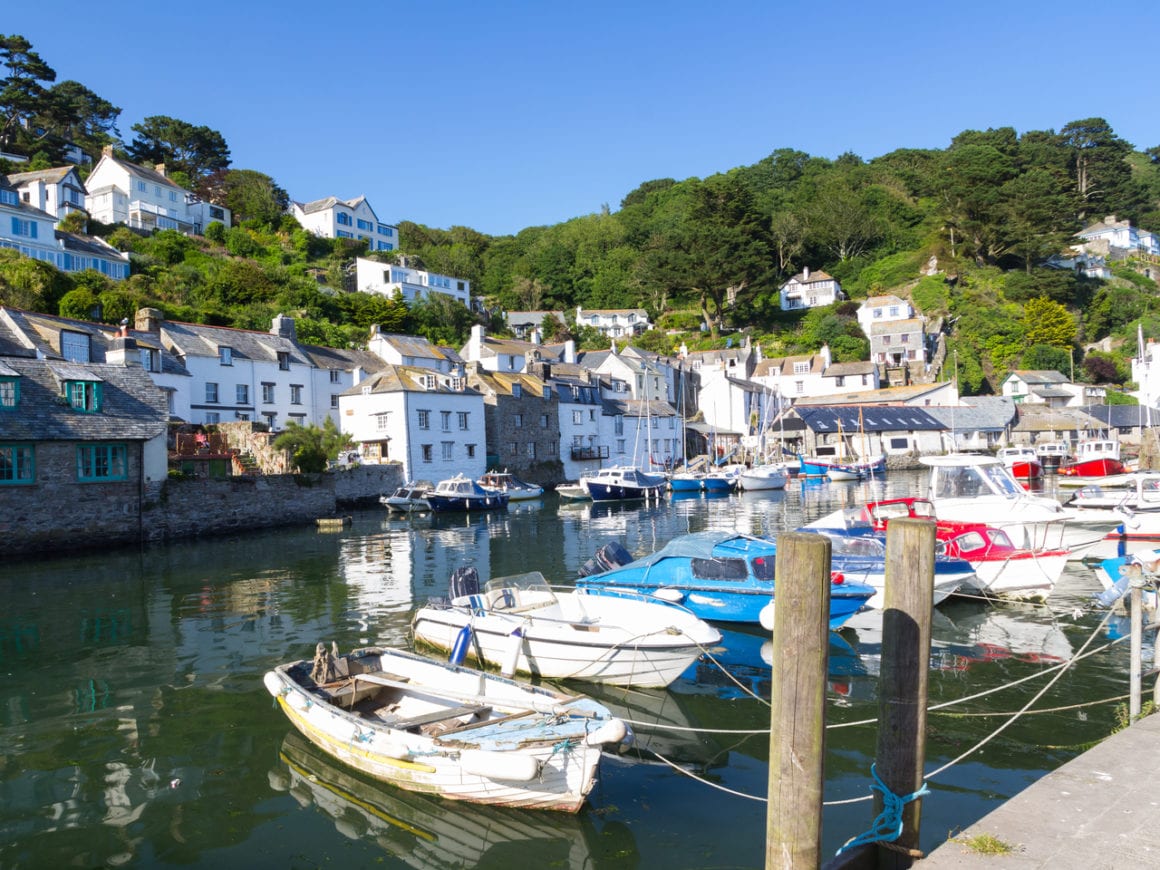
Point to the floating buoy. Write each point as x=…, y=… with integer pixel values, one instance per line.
x=459, y=648
x=515, y=644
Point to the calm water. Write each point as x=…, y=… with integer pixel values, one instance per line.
x=136, y=731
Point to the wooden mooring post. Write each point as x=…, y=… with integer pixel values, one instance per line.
x=902, y=689
x=797, y=746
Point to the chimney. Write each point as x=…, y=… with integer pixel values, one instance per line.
x=149, y=320
x=536, y=337
x=477, y=335
x=570, y=351
x=806, y=273
x=122, y=351
x=160, y=169
x=284, y=327
x=107, y=151
x=825, y=352
x=1110, y=219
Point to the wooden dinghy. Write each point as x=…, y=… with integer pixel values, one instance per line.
x=452, y=731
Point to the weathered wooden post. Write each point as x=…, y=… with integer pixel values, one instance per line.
x=901, y=751
x=1136, y=655
x=797, y=746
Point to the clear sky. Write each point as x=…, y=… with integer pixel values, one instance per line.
x=502, y=115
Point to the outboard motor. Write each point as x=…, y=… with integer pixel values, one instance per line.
x=464, y=581
x=611, y=555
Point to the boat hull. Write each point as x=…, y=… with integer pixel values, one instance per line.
x=460, y=504
x=1094, y=468
x=622, y=492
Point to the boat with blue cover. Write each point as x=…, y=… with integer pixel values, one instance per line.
x=461, y=493
x=722, y=576
x=624, y=483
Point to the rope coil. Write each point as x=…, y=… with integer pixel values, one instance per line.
x=887, y=827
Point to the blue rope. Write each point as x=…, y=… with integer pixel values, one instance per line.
x=888, y=826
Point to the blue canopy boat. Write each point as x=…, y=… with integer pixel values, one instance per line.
x=721, y=576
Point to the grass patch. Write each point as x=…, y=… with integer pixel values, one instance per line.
x=986, y=844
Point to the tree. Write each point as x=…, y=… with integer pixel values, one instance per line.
x=21, y=90
x=1098, y=165
x=970, y=189
x=1044, y=357
x=181, y=146
x=1038, y=223
x=73, y=113
x=247, y=193
x=1047, y=322
x=311, y=447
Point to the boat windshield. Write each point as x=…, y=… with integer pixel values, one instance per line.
x=519, y=592
x=967, y=481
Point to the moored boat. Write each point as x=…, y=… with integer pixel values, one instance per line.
x=1052, y=454
x=573, y=491
x=767, y=476
x=623, y=483
x=1023, y=462
x=507, y=483
x=461, y=493
x=408, y=498
x=521, y=624
x=1134, y=506
x=1095, y=457
x=459, y=733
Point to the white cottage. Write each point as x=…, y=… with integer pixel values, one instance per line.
x=334, y=218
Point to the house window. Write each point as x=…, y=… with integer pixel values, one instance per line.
x=552, y=448
x=211, y=392
x=592, y=416
x=470, y=451
x=905, y=338
x=800, y=368
x=513, y=448
x=886, y=339
x=335, y=376
x=149, y=360
x=343, y=234
x=284, y=360
x=84, y=395
x=226, y=356
x=267, y=393
x=547, y=392
x=271, y=418
x=21, y=227
x=241, y=416
x=296, y=394
x=517, y=391
x=865, y=380
x=799, y=387
x=142, y=186
x=463, y=420
x=102, y=462
x=364, y=225
x=9, y=392
x=343, y=219
x=424, y=419
x=383, y=421
x=620, y=446
x=518, y=421
x=74, y=346
x=893, y=310
x=427, y=453
x=618, y=424
x=577, y=418
x=429, y=382
x=242, y=394
x=212, y=418
x=385, y=230
x=334, y=400
x=840, y=381
x=445, y=420
x=448, y=448
x=899, y=443
x=543, y=421
x=531, y=449
x=877, y=312
x=17, y=464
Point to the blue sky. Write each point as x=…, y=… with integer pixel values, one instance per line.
x=504, y=115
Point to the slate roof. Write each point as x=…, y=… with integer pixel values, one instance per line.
x=891, y=327
x=193, y=339
x=43, y=331
x=330, y=202
x=21, y=205
x=860, y=367
x=784, y=365
x=1031, y=378
x=150, y=175
x=341, y=359
x=883, y=396
x=89, y=245
x=976, y=414
x=403, y=379
x=639, y=408
x=501, y=383
x=514, y=347
x=1121, y=416
x=132, y=407
x=893, y=418
x=882, y=301
x=49, y=176
x=411, y=346
x=814, y=277
x=1039, y=418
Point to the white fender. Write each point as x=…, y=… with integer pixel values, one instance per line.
x=273, y=683
x=612, y=731
x=515, y=643
x=510, y=766
x=766, y=616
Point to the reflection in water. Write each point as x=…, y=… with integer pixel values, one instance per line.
x=424, y=831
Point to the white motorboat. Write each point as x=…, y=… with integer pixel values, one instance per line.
x=445, y=730
x=520, y=624
x=506, y=482
x=1134, y=509
x=408, y=498
x=573, y=491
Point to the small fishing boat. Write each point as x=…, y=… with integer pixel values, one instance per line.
x=841, y=469
x=509, y=484
x=521, y=624
x=687, y=481
x=408, y=498
x=721, y=480
x=1134, y=507
x=722, y=576
x=624, y=483
x=461, y=493
x=573, y=491
x=447, y=730
x=1052, y=454
x=1095, y=457
x=770, y=475
x=1023, y=462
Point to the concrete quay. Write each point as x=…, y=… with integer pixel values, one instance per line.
x=1100, y=810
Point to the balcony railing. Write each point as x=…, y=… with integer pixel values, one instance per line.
x=595, y=452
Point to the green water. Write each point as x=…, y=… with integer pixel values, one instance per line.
x=135, y=730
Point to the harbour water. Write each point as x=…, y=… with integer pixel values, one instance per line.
x=135, y=730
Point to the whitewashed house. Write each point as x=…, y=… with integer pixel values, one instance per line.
x=614, y=322
x=508, y=355
x=335, y=370
x=810, y=290
x=120, y=192
x=1049, y=388
x=31, y=231
x=432, y=423
x=894, y=342
x=735, y=405
x=386, y=279
x=879, y=309
x=645, y=434
x=334, y=218
x=794, y=377
x=580, y=410
x=1146, y=374
x=56, y=191
x=409, y=350
x=640, y=375
x=1108, y=234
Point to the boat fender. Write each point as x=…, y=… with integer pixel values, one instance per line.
x=298, y=701
x=512, y=656
x=508, y=766
x=273, y=683
x=612, y=731
x=766, y=616
x=459, y=648
x=673, y=596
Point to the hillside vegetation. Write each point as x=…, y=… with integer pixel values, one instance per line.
x=963, y=231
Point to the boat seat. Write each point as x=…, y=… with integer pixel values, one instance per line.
x=439, y=716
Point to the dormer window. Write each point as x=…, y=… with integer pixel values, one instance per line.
x=9, y=393
x=149, y=360
x=284, y=360
x=458, y=384
x=226, y=356
x=801, y=368
x=83, y=395
x=517, y=391
x=74, y=346
x=429, y=382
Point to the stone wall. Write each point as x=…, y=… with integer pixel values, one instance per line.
x=361, y=485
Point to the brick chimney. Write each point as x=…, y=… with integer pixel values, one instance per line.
x=160, y=169
x=284, y=327
x=149, y=320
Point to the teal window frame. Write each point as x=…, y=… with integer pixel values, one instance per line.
x=102, y=462
x=12, y=464
x=84, y=396
x=12, y=399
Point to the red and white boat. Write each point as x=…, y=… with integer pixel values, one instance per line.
x=1095, y=457
x=1023, y=462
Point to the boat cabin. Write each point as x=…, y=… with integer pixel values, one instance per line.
x=967, y=476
